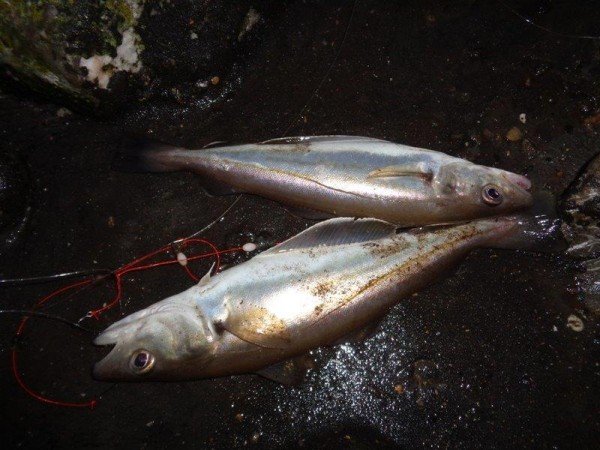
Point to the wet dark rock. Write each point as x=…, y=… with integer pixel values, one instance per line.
x=422, y=384
x=588, y=285
x=581, y=206
x=42, y=43
x=14, y=198
x=528, y=148
x=534, y=9
x=108, y=54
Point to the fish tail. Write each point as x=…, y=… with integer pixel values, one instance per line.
x=145, y=155
x=537, y=229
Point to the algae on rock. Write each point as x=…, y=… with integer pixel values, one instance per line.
x=42, y=43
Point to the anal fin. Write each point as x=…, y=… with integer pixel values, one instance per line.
x=215, y=188
x=360, y=335
x=308, y=213
x=290, y=372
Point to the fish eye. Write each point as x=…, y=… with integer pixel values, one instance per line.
x=141, y=361
x=492, y=195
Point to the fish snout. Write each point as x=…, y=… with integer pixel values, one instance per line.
x=112, y=366
x=517, y=189
x=520, y=180
x=107, y=337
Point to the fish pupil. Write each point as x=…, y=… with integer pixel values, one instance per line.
x=141, y=360
x=493, y=193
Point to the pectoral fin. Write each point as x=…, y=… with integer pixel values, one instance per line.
x=258, y=326
x=290, y=372
x=408, y=170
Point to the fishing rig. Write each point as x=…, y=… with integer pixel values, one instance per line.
x=179, y=252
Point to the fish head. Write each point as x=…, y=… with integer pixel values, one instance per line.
x=167, y=341
x=535, y=229
x=479, y=191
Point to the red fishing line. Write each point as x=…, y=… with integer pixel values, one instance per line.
x=21, y=329
x=133, y=266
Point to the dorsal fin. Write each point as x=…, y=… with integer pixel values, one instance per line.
x=214, y=144
x=313, y=139
x=339, y=231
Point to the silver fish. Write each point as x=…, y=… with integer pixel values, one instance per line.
x=325, y=176
x=334, y=279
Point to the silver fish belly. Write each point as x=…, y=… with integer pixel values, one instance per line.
x=353, y=176
x=330, y=280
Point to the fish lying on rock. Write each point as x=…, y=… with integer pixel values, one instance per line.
x=347, y=176
x=334, y=280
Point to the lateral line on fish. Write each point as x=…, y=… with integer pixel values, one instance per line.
x=271, y=170
x=401, y=267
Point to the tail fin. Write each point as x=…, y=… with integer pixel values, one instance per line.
x=143, y=155
x=537, y=229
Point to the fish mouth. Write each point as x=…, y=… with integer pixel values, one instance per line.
x=104, y=370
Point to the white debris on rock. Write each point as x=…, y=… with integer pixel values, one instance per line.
x=249, y=247
x=251, y=19
x=136, y=7
x=127, y=58
x=100, y=68
x=52, y=78
x=575, y=323
x=63, y=112
x=523, y=117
